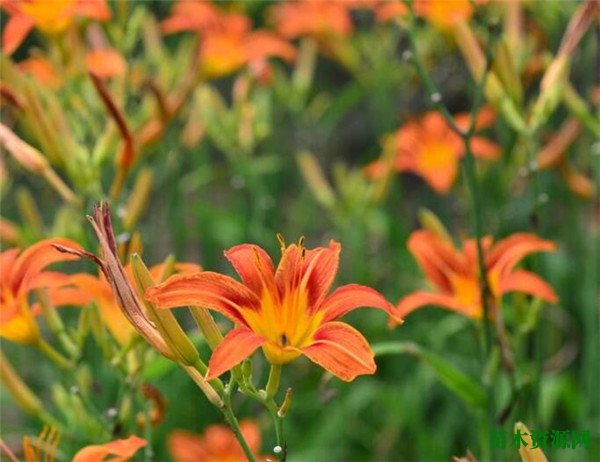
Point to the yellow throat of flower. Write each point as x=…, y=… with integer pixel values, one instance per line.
x=51, y=17
x=287, y=324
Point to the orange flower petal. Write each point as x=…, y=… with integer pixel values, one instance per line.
x=60, y=296
x=376, y=169
x=47, y=279
x=105, y=63
x=262, y=44
x=319, y=269
x=419, y=299
x=38, y=256
x=510, y=251
x=237, y=345
x=436, y=257
x=288, y=271
x=42, y=70
x=190, y=15
x=485, y=118
x=528, y=283
x=349, y=297
x=438, y=168
x=484, y=149
x=253, y=265
x=315, y=18
x=342, y=350
x=207, y=289
x=94, y=9
x=15, y=31
x=7, y=260
x=121, y=450
x=390, y=10
x=216, y=443
x=251, y=432
x=443, y=13
x=186, y=446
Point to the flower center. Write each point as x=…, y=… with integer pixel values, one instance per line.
x=287, y=324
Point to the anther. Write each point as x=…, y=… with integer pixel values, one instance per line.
x=281, y=241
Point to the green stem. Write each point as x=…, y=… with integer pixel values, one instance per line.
x=472, y=185
x=54, y=355
x=57, y=326
x=235, y=427
x=469, y=166
x=266, y=399
x=273, y=382
x=278, y=424
x=475, y=193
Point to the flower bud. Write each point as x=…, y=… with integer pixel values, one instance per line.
x=207, y=326
x=527, y=451
x=166, y=323
x=431, y=222
x=315, y=179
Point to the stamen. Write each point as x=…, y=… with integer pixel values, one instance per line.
x=281, y=241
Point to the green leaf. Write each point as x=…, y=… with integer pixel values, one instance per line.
x=455, y=380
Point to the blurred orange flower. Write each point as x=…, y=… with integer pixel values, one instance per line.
x=286, y=311
x=430, y=149
x=86, y=288
x=20, y=273
x=50, y=17
x=42, y=70
x=227, y=40
x=115, y=451
x=313, y=18
x=105, y=63
x=217, y=443
x=454, y=274
x=391, y=10
x=443, y=14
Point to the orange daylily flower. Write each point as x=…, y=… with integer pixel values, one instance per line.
x=430, y=149
x=50, y=17
x=286, y=311
x=441, y=13
x=42, y=70
x=20, y=273
x=217, y=443
x=105, y=63
x=86, y=288
x=444, y=13
x=314, y=18
x=227, y=40
x=388, y=11
x=114, y=451
x=454, y=273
